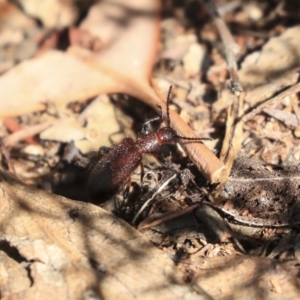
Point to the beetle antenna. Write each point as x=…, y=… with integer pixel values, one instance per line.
x=192, y=139
x=169, y=122
x=168, y=105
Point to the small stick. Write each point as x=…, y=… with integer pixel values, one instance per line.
x=5, y=153
x=290, y=91
x=13, y=126
x=204, y=159
x=166, y=217
x=296, y=109
x=232, y=49
x=152, y=197
x=12, y=139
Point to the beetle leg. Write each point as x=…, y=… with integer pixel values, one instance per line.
x=145, y=126
x=127, y=188
x=103, y=150
x=142, y=172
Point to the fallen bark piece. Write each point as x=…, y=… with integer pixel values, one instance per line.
x=56, y=248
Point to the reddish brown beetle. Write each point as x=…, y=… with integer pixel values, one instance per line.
x=110, y=173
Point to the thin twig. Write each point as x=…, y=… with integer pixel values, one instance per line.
x=232, y=142
x=204, y=159
x=6, y=155
x=296, y=109
x=12, y=139
x=152, y=197
x=232, y=49
x=290, y=91
x=166, y=217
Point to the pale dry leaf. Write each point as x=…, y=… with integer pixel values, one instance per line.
x=105, y=124
x=129, y=50
x=19, y=36
x=129, y=33
x=193, y=60
x=243, y=277
x=103, y=127
x=268, y=71
x=12, y=17
x=56, y=248
x=287, y=118
x=64, y=130
x=59, y=77
x=279, y=56
x=52, y=13
x=54, y=76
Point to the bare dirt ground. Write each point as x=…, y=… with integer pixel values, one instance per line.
x=211, y=219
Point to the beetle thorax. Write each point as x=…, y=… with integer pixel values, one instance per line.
x=166, y=135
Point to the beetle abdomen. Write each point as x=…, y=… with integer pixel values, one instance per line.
x=113, y=170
